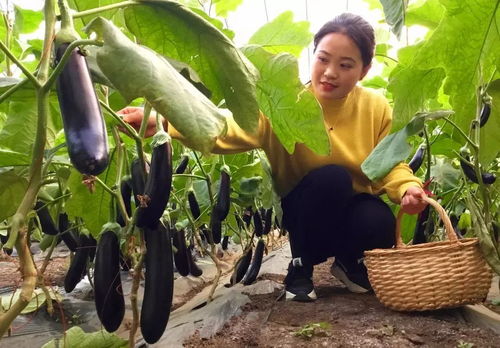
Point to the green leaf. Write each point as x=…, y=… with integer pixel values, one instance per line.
x=490, y=141
x=94, y=207
x=76, y=337
x=425, y=12
x=12, y=189
x=139, y=72
x=177, y=32
x=223, y=7
x=38, y=299
x=283, y=35
x=12, y=158
x=465, y=61
x=394, y=11
x=445, y=175
x=27, y=21
x=19, y=130
x=410, y=88
x=392, y=150
x=293, y=111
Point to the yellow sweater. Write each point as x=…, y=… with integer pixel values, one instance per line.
x=355, y=125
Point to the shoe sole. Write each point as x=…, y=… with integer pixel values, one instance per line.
x=338, y=273
x=310, y=297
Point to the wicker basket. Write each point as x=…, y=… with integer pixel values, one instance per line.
x=431, y=275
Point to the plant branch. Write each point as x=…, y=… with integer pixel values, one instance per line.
x=104, y=8
x=133, y=295
x=131, y=131
x=469, y=140
x=21, y=66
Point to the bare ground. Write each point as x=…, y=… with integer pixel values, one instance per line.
x=354, y=320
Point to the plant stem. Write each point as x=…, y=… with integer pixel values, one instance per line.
x=105, y=187
x=21, y=66
x=65, y=57
x=133, y=295
x=193, y=176
x=428, y=153
x=104, y=8
x=29, y=274
x=121, y=155
x=469, y=140
x=132, y=133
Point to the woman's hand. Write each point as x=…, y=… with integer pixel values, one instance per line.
x=133, y=116
x=412, y=202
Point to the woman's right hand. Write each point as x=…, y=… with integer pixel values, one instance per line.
x=133, y=116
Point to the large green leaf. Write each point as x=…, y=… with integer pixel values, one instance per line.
x=283, y=35
x=394, y=11
x=293, y=111
x=425, y=12
x=93, y=207
x=466, y=44
x=12, y=188
x=177, y=32
x=76, y=337
x=411, y=87
x=12, y=158
x=18, y=133
x=140, y=72
x=490, y=139
x=26, y=21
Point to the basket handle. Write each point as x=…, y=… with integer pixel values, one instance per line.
x=442, y=214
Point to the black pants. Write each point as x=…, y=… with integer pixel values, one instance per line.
x=325, y=217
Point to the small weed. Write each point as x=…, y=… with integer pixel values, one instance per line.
x=463, y=344
x=313, y=329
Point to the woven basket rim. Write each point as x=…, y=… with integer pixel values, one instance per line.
x=425, y=247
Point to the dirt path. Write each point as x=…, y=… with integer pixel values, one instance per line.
x=353, y=320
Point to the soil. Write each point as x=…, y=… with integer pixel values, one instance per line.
x=337, y=319
x=11, y=277
x=352, y=320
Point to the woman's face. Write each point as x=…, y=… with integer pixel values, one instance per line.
x=337, y=67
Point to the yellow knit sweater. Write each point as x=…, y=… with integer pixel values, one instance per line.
x=355, y=125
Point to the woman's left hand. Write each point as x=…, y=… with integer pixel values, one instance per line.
x=412, y=202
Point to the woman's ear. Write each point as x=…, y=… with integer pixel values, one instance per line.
x=365, y=71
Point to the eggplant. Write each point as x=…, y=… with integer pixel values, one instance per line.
x=241, y=267
x=253, y=270
x=158, y=185
x=193, y=205
x=158, y=283
x=126, y=192
x=108, y=293
x=84, y=126
x=417, y=159
x=138, y=179
x=181, y=168
x=194, y=270
x=47, y=224
x=257, y=224
x=78, y=265
x=181, y=256
x=66, y=232
x=268, y=221
x=222, y=204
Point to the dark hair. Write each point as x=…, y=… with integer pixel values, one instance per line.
x=354, y=26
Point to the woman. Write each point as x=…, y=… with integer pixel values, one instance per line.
x=330, y=208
